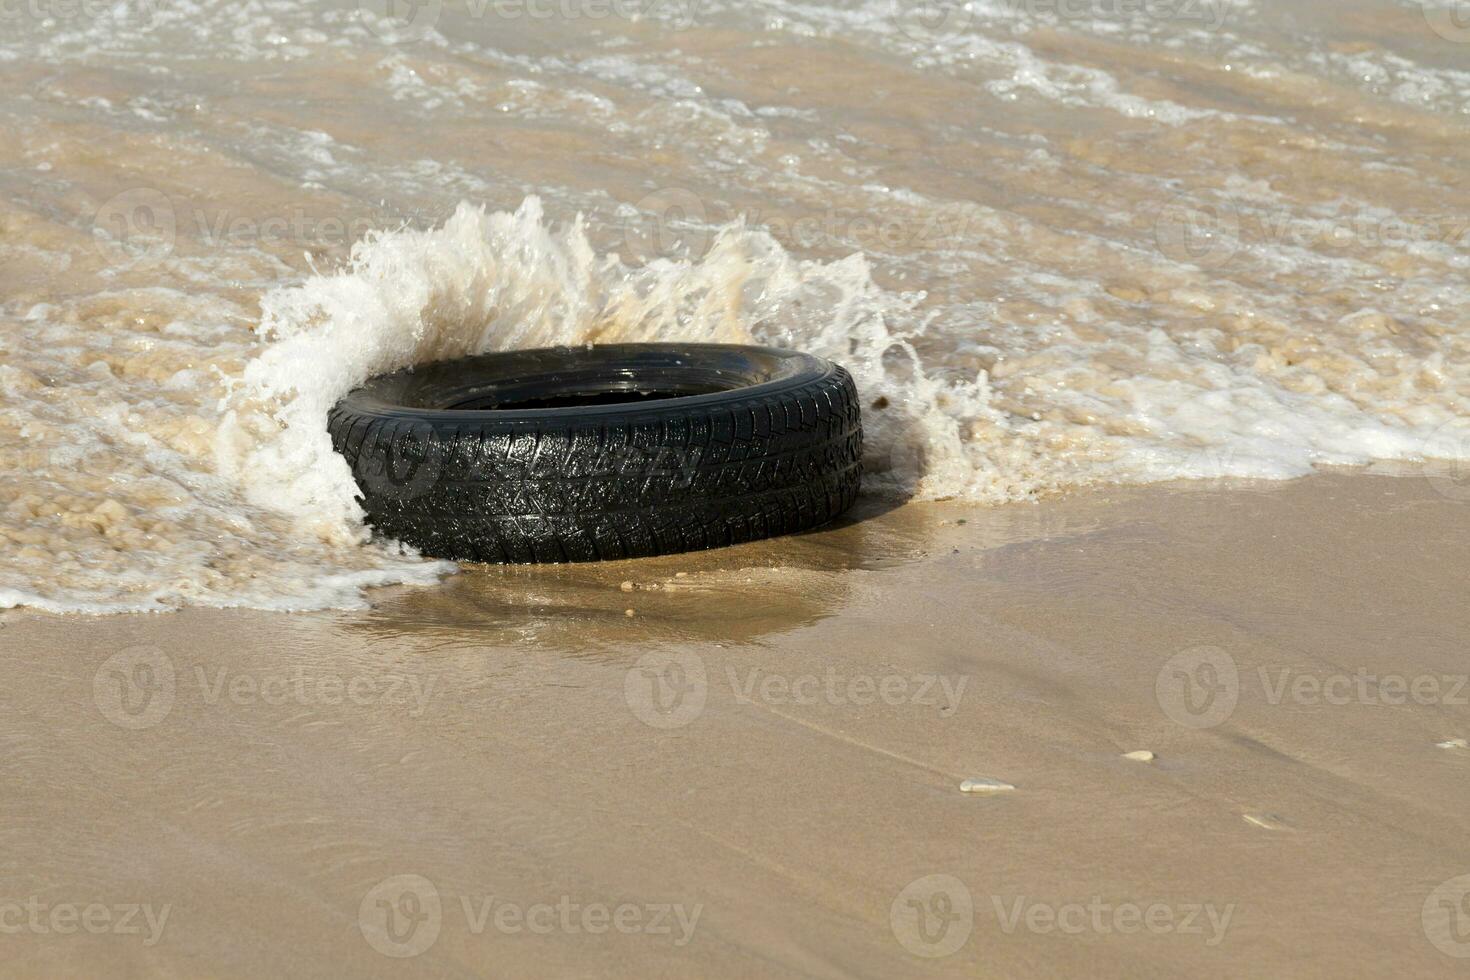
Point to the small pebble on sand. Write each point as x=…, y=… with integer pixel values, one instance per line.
x=628, y=612
x=681, y=575
x=1453, y=743
x=1142, y=755
x=626, y=586
x=985, y=785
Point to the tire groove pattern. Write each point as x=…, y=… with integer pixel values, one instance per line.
x=662, y=477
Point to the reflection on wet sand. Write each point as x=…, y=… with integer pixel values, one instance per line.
x=728, y=596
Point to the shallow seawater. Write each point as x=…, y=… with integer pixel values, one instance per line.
x=1059, y=244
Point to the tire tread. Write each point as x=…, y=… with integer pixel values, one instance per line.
x=647, y=482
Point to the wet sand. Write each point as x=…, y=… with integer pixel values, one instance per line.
x=757, y=772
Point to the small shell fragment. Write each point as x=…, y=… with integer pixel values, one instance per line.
x=1452, y=743
x=1266, y=821
x=626, y=586
x=629, y=612
x=1141, y=755
x=984, y=784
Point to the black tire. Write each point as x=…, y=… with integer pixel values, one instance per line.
x=595, y=453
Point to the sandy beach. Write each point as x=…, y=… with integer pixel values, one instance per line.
x=1142, y=653
x=758, y=772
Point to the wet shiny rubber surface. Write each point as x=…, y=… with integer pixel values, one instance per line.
x=780, y=453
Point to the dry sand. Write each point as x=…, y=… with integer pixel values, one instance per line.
x=758, y=772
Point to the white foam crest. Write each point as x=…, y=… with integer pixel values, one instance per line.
x=495, y=281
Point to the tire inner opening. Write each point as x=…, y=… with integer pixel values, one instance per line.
x=548, y=396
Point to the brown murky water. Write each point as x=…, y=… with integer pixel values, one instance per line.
x=1062, y=243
